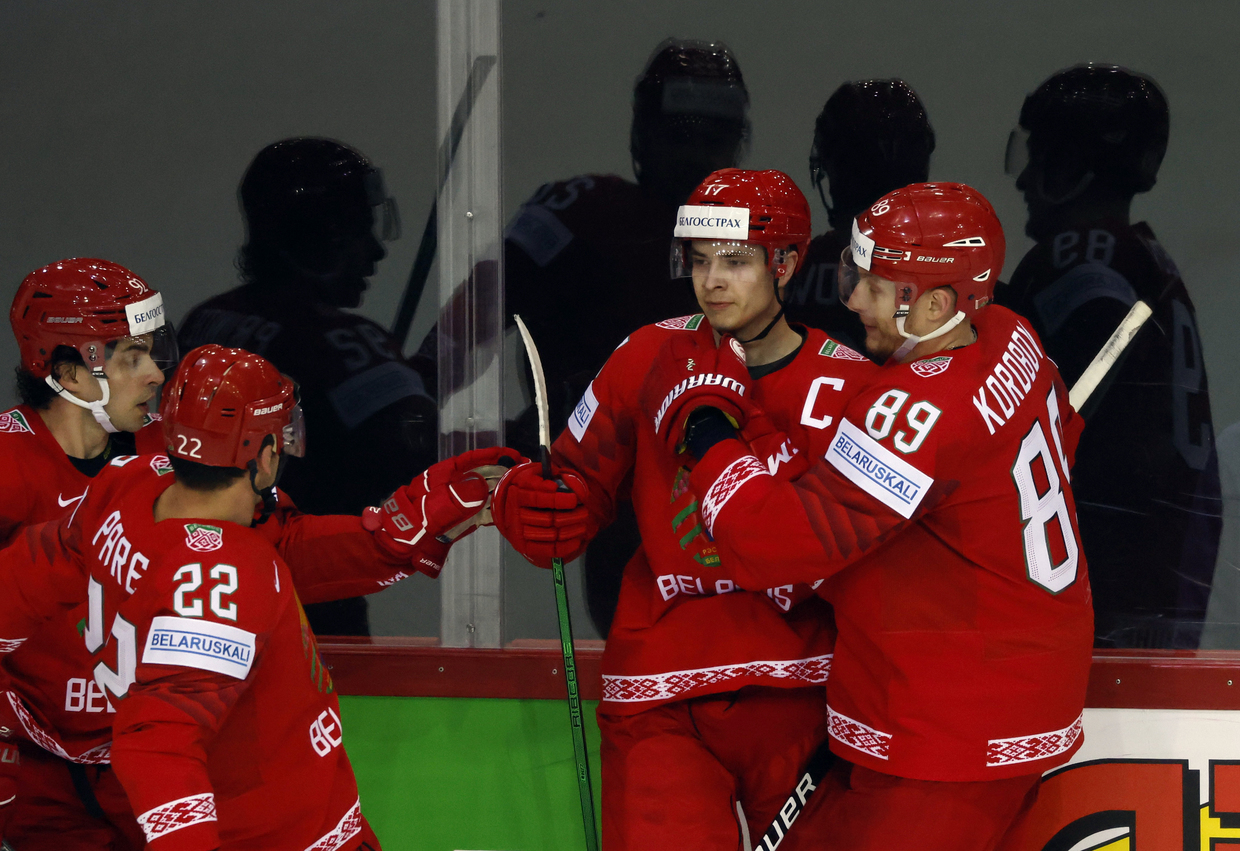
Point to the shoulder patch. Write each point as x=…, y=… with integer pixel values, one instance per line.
x=14, y=421
x=682, y=323
x=835, y=349
x=539, y=233
x=1076, y=288
x=202, y=538
x=579, y=421
x=161, y=465
x=121, y=460
x=877, y=470
x=202, y=644
x=932, y=366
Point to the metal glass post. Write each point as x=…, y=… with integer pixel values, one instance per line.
x=471, y=297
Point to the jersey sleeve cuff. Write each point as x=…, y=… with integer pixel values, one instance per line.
x=719, y=476
x=186, y=824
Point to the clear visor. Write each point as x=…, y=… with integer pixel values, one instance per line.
x=847, y=275
x=723, y=259
x=387, y=214
x=127, y=357
x=1016, y=158
x=293, y=436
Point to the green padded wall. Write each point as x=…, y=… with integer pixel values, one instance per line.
x=455, y=774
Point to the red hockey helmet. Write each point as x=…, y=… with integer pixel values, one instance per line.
x=222, y=402
x=738, y=205
x=924, y=236
x=87, y=305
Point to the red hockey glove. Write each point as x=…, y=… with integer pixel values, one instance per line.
x=689, y=373
x=543, y=518
x=773, y=447
x=447, y=502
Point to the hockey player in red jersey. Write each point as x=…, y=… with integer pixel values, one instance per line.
x=194, y=618
x=711, y=696
x=940, y=511
x=51, y=448
x=94, y=347
x=871, y=137
x=585, y=258
x=1091, y=138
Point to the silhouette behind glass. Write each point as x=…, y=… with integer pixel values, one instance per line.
x=871, y=137
x=1146, y=479
x=315, y=211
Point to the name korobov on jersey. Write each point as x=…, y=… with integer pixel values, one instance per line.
x=227, y=729
x=657, y=648
x=942, y=513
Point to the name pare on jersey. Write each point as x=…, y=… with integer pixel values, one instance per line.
x=117, y=555
x=1010, y=380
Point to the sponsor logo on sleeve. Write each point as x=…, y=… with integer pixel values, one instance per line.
x=701, y=222
x=13, y=422
x=146, y=315
x=202, y=538
x=833, y=349
x=583, y=413
x=876, y=470
x=931, y=366
x=202, y=644
x=680, y=323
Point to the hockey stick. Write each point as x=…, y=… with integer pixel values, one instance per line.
x=1113, y=349
x=584, y=790
x=430, y=234
x=815, y=770
x=1110, y=352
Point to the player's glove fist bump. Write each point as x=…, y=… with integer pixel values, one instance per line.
x=690, y=373
x=444, y=504
x=543, y=518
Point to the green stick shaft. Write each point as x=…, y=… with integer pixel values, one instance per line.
x=574, y=706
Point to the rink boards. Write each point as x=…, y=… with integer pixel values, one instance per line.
x=470, y=750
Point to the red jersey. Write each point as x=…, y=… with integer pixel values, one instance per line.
x=682, y=629
x=50, y=689
x=940, y=509
x=1146, y=479
x=227, y=730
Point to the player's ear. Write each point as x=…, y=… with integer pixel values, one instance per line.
x=268, y=458
x=791, y=259
x=942, y=303
x=66, y=373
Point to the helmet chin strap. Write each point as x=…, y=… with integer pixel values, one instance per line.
x=782, y=307
x=96, y=408
x=911, y=340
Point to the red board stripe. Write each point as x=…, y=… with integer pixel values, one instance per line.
x=418, y=667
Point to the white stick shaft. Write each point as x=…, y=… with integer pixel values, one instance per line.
x=1108, y=354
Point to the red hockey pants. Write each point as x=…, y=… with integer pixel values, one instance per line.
x=672, y=775
x=857, y=809
x=51, y=815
